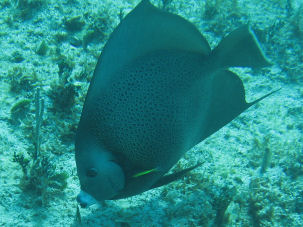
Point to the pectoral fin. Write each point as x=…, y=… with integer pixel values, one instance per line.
x=145, y=172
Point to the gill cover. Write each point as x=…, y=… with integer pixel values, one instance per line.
x=101, y=178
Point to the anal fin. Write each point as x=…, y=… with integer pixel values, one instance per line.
x=174, y=176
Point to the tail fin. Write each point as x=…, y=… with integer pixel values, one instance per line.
x=227, y=102
x=239, y=49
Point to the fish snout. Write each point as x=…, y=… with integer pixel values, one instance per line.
x=83, y=204
x=85, y=200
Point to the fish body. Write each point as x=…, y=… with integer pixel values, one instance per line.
x=157, y=91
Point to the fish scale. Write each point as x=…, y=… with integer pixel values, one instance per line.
x=145, y=123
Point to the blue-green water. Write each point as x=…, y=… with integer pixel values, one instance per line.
x=252, y=170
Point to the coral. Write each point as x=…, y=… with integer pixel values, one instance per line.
x=165, y=4
x=297, y=22
x=42, y=48
x=19, y=110
x=266, y=160
x=25, y=9
x=210, y=10
x=88, y=37
x=262, y=144
x=260, y=197
x=293, y=167
x=299, y=202
x=23, y=4
x=221, y=204
x=98, y=26
x=65, y=66
x=17, y=57
x=60, y=36
x=63, y=96
x=20, y=80
x=76, y=41
x=74, y=23
x=63, y=92
x=5, y=3
x=222, y=16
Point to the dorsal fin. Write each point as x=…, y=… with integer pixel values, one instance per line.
x=239, y=49
x=144, y=30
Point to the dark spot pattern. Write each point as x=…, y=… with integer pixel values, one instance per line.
x=146, y=108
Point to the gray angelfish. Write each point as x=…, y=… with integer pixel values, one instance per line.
x=157, y=90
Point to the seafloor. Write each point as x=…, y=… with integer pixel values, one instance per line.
x=252, y=173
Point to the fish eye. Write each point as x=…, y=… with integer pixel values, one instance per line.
x=92, y=172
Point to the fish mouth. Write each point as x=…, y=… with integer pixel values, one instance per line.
x=85, y=200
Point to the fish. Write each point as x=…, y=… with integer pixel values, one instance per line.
x=157, y=90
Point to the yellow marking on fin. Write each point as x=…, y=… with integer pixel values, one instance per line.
x=144, y=172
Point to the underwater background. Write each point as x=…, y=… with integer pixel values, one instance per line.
x=252, y=172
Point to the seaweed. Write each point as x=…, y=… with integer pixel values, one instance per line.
x=22, y=161
x=78, y=216
x=296, y=21
x=40, y=177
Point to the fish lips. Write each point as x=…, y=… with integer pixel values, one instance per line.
x=85, y=200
